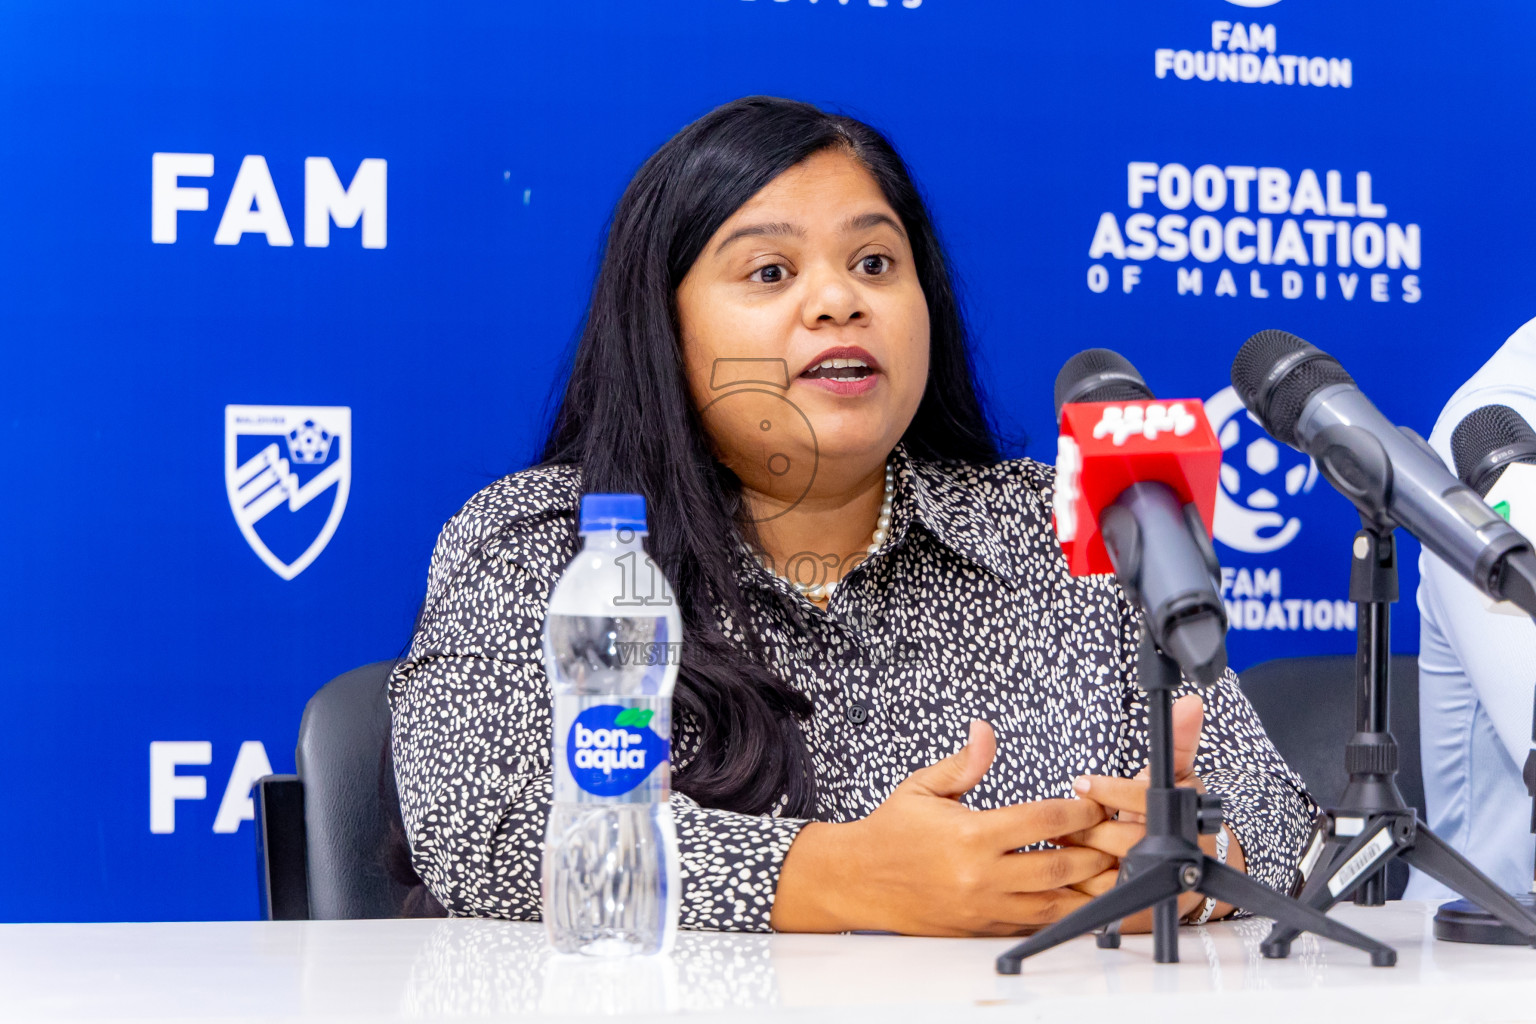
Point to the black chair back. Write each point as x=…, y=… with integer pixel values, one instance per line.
x=354, y=835
x=1307, y=706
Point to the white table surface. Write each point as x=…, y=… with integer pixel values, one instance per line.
x=386, y=970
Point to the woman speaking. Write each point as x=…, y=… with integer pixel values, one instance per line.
x=896, y=710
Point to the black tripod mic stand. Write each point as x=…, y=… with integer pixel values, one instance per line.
x=1168, y=861
x=1354, y=842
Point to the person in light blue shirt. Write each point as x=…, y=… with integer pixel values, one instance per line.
x=1477, y=675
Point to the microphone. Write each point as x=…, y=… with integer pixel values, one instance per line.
x=1135, y=487
x=1488, y=441
x=1304, y=398
x=1099, y=375
x=1495, y=454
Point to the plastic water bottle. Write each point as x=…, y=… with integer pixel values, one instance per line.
x=612, y=644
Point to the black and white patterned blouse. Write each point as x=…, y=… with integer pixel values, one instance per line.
x=966, y=612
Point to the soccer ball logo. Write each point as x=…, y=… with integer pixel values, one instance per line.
x=1257, y=475
x=309, y=444
x=1261, y=457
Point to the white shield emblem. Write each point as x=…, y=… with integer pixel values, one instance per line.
x=278, y=459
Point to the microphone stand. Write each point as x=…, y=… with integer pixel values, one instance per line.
x=1168, y=861
x=1352, y=844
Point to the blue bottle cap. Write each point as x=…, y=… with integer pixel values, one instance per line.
x=612, y=512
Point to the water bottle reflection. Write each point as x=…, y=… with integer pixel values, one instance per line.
x=495, y=967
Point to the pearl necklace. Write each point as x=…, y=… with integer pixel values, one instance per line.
x=820, y=591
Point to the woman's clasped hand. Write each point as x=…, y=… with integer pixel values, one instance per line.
x=923, y=863
x=1125, y=804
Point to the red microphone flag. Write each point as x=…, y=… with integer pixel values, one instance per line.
x=1105, y=447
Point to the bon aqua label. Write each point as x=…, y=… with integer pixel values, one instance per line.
x=612, y=749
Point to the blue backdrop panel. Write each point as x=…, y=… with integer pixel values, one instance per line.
x=227, y=457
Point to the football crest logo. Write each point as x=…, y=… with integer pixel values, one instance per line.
x=287, y=471
x=1253, y=467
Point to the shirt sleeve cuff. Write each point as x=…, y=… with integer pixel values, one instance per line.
x=730, y=865
x=1271, y=820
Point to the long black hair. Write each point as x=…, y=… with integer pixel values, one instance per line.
x=626, y=418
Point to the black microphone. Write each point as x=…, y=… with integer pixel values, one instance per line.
x=1099, y=375
x=1306, y=399
x=1158, y=544
x=1488, y=441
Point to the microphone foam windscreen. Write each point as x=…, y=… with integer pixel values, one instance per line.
x=1483, y=432
x=1287, y=397
x=1099, y=375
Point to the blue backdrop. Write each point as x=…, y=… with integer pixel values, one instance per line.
x=360, y=318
